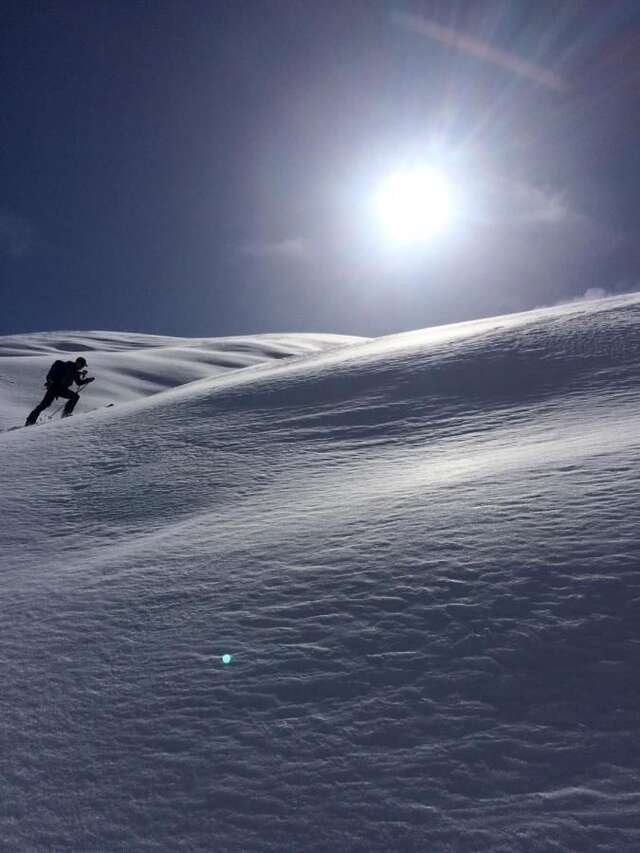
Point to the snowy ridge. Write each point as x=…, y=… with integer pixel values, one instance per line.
x=421, y=552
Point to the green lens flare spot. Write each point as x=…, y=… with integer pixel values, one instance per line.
x=226, y=659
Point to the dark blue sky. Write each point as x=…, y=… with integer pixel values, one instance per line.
x=205, y=168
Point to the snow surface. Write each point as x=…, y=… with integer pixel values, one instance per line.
x=421, y=552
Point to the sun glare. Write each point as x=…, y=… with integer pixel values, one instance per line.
x=414, y=205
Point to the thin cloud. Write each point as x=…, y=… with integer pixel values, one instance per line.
x=289, y=249
x=498, y=201
x=528, y=203
x=481, y=50
x=530, y=209
x=17, y=235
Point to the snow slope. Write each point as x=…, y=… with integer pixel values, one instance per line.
x=132, y=365
x=421, y=552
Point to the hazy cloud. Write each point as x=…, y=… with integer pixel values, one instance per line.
x=291, y=248
x=506, y=202
x=533, y=204
x=517, y=204
x=16, y=234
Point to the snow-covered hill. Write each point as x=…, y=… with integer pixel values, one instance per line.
x=422, y=553
x=131, y=366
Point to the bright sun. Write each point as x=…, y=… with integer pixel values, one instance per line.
x=414, y=205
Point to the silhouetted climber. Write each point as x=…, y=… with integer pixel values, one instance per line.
x=59, y=379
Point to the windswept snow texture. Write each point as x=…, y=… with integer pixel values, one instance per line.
x=420, y=551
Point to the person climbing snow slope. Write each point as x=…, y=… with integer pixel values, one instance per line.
x=60, y=377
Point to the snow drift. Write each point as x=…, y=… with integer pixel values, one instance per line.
x=421, y=552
